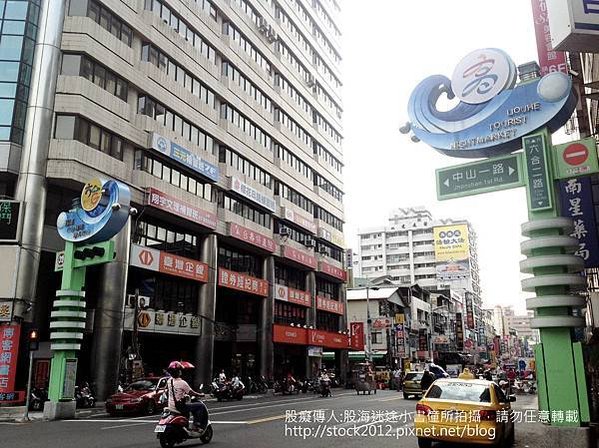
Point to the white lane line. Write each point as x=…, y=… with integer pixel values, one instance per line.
x=125, y=426
x=145, y=422
x=391, y=399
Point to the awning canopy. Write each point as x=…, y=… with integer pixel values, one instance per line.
x=354, y=356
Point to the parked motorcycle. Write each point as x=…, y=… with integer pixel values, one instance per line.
x=37, y=399
x=227, y=391
x=325, y=388
x=261, y=385
x=84, y=397
x=173, y=428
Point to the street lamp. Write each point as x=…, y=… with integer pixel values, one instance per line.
x=374, y=285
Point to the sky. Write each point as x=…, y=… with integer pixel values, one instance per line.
x=388, y=47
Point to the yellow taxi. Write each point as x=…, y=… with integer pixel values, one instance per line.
x=464, y=410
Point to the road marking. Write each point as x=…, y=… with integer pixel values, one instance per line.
x=266, y=419
x=125, y=426
x=390, y=399
x=302, y=401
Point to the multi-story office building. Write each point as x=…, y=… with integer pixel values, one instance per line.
x=405, y=250
x=224, y=118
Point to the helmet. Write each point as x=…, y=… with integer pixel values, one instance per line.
x=174, y=365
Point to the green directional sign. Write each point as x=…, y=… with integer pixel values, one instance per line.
x=537, y=169
x=480, y=177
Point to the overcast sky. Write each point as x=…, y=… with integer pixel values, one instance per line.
x=388, y=47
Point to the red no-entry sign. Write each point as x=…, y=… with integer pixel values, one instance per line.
x=575, y=154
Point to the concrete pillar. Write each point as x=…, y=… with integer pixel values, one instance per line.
x=343, y=360
x=266, y=321
x=204, y=354
x=31, y=184
x=311, y=316
x=109, y=316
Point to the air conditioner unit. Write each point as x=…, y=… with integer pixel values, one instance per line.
x=310, y=81
x=271, y=35
x=310, y=243
x=283, y=231
x=262, y=25
x=143, y=302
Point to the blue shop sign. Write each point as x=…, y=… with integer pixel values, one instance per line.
x=577, y=203
x=184, y=156
x=493, y=113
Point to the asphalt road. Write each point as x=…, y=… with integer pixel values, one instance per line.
x=292, y=422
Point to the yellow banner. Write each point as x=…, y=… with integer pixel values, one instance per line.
x=451, y=243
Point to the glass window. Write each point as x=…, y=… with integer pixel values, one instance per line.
x=16, y=10
x=110, y=83
x=65, y=127
x=117, y=148
x=13, y=27
x=106, y=146
x=6, y=112
x=71, y=64
x=95, y=136
x=99, y=76
x=9, y=71
x=10, y=47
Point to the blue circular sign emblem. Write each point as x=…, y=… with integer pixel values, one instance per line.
x=101, y=212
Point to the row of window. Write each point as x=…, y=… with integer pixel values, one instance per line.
x=248, y=10
x=330, y=219
x=291, y=277
x=327, y=289
x=168, y=293
x=328, y=187
x=247, y=86
x=173, y=240
x=326, y=71
x=327, y=128
x=173, y=176
x=104, y=17
x=208, y=7
x=284, y=118
x=293, y=93
x=71, y=127
x=81, y=65
x=247, y=126
x=296, y=235
x=328, y=157
x=287, y=54
x=327, y=321
x=151, y=53
x=330, y=251
x=150, y=107
x=244, y=166
x=295, y=162
x=328, y=100
x=289, y=313
x=247, y=47
x=239, y=261
x=244, y=210
x=173, y=20
x=294, y=197
x=285, y=20
x=324, y=16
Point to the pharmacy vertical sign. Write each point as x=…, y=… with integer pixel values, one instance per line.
x=537, y=169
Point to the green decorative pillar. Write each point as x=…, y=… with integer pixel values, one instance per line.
x=556, y=280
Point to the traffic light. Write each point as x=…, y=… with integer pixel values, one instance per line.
x=92, y=254
x=34, y=339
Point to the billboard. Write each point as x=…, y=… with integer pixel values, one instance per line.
x=549, y=59
x=452, y=254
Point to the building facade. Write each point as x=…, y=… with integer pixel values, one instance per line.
x=224, y=118
x=408, y=251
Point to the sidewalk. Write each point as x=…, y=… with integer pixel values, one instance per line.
x=539, y=435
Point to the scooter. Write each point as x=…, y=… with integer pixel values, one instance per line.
x=173, y=428
x=84, y=397
x=37, y=399
x=325, y=388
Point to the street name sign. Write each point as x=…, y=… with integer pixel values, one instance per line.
x=535, y=151
x=480, y=177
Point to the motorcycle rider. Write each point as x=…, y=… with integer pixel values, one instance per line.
x=222, y=377
x=178, y=389
x=324, y=380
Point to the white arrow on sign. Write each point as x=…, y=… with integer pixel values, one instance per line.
x=510, y=170
x=446, y=183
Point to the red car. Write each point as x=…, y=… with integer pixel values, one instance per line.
x=140, y=397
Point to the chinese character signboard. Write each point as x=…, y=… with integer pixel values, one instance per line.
x=184, y=156
x=9, y=347
x=459, y=332
x=576, y=158
x=169, y=204
x=299, y=256
x=356, y=336
x=253, y=195
x=332, y=306
x=574, y=24
x=242, y=282
x=168, y=322
x=6, y=310
x=549, y=59
x=9, y=220
x=332, y=271
x=538, y=174
x=291, y=295
x=452, y=254
x=577, y=203
x=400, y=336
x=469, y=311
x=160, y=261
x=298, y=219
x=327, y=339
x=251, y=237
